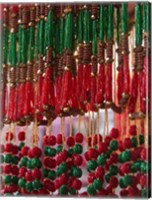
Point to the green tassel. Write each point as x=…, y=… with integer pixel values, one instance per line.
x=105, y=20
x=68, y=42
x=118, y=25
x=80, y=27
x=50, y=28
x=12, y=49
x=37, y=40
x=41, y=37
x=124, y=26
x=24, y=46
x=57, y=37
x=5, y=44
x=62, y=24
x=138, y=25
x=101, y=23
x=146, y=17
x=31, y=43
x=110, y=22
x=94, y=39
x=19, y=59
x=87, y=26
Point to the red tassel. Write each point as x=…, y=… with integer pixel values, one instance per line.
x=11, y=103
x=86, y=82
x=79, y=79
x=21, y=98
x=120, y=84
x=74, y=100
x=134, y=94
x=126, y=75
x=15, y=103
x=58, y=88
x=66, y=84
x=45, y=87
x=108, y=86
x=100, y=85
x=38, y=103
x=4, y=104
x=29, y=99
x=93, y=93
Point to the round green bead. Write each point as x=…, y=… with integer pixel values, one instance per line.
x=52, y=175
x=126, y=156
x=120, y=158
x=36, y=184
x=113, y=170
x=72, y=191
x=35, y=162
x=101, y=160
x=14, y=179
x=51, y=152
x=29, y=165
x=134, y=141
x=121, y=183
x=70, y=152
x=46, y=151
x=107, y=154
x=127, y=180
x=113, y=145
x=23, y=161
x=7, y=179
x=135, y=167
x=77, y=148
x=107, y=177
x=15, y=160
x=7, y=158
x=29, y=186
x=63, y=190
x=77, y=172
x=91, y=166
x=91, y=190
x=45, y=172
x=145, y=167
x=58, y=172
x=97, y=184
x=21, y=145
x=21, y=182
x=59, y=148
x=63, y=167
x=141, y=139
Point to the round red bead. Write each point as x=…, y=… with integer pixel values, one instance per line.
x=15, y=149
x=99, y=172
x=86, y=155
x=114, y=157
x=36, y=173
x=22, y=171
x=133, y=130
x=63, y=179
x=127, y=144
x=59, y=139
x=125, y=168
x=114, y=133
x=77, y=160
x=70, y=141
x=15, y=170
x=91, y=177
x=21, y=136
x=93, y=154
x=28, y=176
x=7, y=169
x=96, y=138
x=79, y=137
x=46, y=140
x=123, y=193
x=143, y=181
x=113, y=182
x=49, y=185
x=8, y=148
x=102, y=147
x=36, y=152
x=52, y=140
x=25, y=150
x=77, y=184
x=107, y=140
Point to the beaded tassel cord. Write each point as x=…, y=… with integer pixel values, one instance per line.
x=68, y=70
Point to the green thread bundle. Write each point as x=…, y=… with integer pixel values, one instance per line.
x=138, y=25
x=124, y=25
x=110, y=22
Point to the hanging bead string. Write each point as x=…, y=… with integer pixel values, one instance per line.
x=5, y=58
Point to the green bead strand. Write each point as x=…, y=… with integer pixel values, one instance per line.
x=138, y=24
x=41, y=36
x=12, y=49
x=110, y=22
x=31, y=44
x=94, y=38
x=101, y=22
x=87, y=26
x=80, y=27
x=124, y=25
x=118, y=26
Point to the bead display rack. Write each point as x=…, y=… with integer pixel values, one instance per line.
x=81, y=65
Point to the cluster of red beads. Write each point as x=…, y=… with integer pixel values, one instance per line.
x=49, y=163
x=75, y=160
x=133, y=166
x=10, y=168
x=102, y=158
